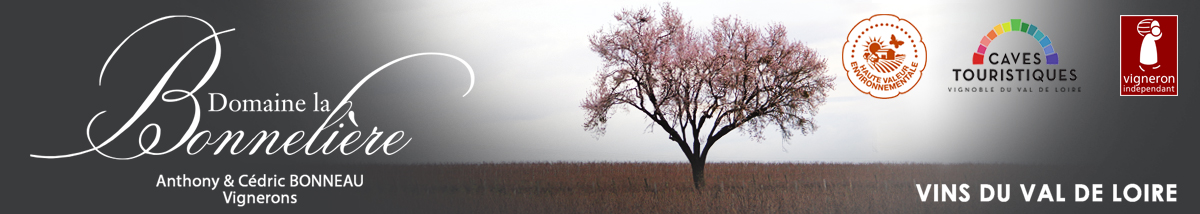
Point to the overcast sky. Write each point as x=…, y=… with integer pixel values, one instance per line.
x=534, y=66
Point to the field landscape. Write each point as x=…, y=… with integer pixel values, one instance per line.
x=667, y=188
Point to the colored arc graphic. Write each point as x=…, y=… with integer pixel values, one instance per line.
x=1015, y=25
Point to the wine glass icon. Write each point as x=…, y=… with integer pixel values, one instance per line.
x=1150, y=31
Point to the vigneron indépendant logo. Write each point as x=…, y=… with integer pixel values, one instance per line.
x=884, y=56
x=1149, y=55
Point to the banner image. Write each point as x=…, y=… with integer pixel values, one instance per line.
x=531, y=106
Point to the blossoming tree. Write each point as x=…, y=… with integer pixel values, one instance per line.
x=700, y=86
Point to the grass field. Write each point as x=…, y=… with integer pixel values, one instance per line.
x=666, y=188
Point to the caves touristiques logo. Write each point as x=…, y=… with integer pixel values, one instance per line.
x=1013, y=61
x=1015, y=26
x=884, y=56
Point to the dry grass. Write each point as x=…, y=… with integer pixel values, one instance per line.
x=666, y=188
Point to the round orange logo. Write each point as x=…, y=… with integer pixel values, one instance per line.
x=884, y=56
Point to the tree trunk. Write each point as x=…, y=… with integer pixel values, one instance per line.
x=698, y=174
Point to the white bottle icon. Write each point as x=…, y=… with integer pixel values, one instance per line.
x=1150, y=31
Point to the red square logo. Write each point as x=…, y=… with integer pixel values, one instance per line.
x=1149, y=55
